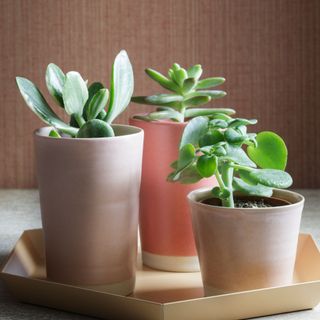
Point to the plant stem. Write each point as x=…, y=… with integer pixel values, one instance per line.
x=219, y=179
x=227, y=177
x=80, y=120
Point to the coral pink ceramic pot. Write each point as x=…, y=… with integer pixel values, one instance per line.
x=246, y=248
x=89, y=196
x=165, y=226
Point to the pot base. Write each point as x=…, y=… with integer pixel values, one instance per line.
x=123, y=288
x=171, y=263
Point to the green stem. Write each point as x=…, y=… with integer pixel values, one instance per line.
x=219, y=179
x=80, y=120
x=227, y=177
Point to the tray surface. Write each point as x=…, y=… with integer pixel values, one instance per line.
x=158, y=294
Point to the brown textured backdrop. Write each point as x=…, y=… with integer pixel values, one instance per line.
x=269, y=51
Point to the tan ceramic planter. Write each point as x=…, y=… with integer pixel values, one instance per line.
x=89, y=194
x=165, y=225
x=244, y=249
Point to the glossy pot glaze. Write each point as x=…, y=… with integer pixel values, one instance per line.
x=165, y=226
x=246, y=248
x=89, y=194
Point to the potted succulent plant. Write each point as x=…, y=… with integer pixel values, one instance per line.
x=246, y=228
x=89, y=191
x=165, y=224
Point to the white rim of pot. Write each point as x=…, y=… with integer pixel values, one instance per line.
x=135, y=131
x=205, y=193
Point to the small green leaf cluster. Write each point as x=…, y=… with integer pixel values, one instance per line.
x=220, y=146
x=86, y=106
x=188, y=94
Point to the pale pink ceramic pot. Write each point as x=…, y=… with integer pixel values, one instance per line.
x=89, y=196
x=242, y=249
x=165, y=225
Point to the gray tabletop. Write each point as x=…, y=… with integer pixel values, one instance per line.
x=19, y=210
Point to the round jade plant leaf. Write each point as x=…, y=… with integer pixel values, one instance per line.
x=95, y=128
x=271, y=152
x=207, y=165
x=271, y=178
x=209, y=139
x=186, y=156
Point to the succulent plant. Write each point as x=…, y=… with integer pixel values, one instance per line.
x=189, y=92
x=85, y=105
x=216, y=147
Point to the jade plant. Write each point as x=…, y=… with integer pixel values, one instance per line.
x=85, y=105
x=249, y=163
x=189, y=92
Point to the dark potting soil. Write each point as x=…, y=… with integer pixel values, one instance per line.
x=250, y=202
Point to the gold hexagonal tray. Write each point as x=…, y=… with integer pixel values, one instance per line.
x=160, y=295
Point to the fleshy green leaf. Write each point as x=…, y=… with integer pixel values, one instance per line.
x=74, y=93
x=180, y=76
x=234, y=137
x=97, y=103
x=194, y=130
x=210, y=82
x=162, y=80
x=55, y=79
x=159, y=99
x=196, y=101
x=195, y=112
x=252, y=190
x=271, y=178
x=213, y=94
x=186, y=156
x=211, y=138
x=271, y=152
x=195, y=71
x=54, y=134
x=95, y=128
x=36, y=102
x=207, y=165
x=187, y=176
x=241, y=122
x=188, y=85
x=121, y=88
x=93, y=89
x=166, y=114
x=237, y=155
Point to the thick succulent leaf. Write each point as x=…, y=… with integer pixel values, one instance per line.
x=214, y=94
x=211, y=138
x=93, y=89
x=195, y=112
x=196, y=101
x=74, y=93
x=271, y=152
x=218, y=123
x=180, y=76
x=159, y=99
x=241, y=122
x=195, y=71
x=162, y=115
x=187, y=176
x=37, y=103
x=188, y=85
x=234, y=137
x=252, y=190
x=207, y=165
x=271, y=177
x=194, y=130
x=55, y=79
x=186, y=156
x=121, y=88
x=54, y=134
x=237, y=155
x=162, y=80
x=97, y=104
x=210, y=82
x=95, y=128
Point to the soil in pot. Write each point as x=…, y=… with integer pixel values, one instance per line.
x=250, y=202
